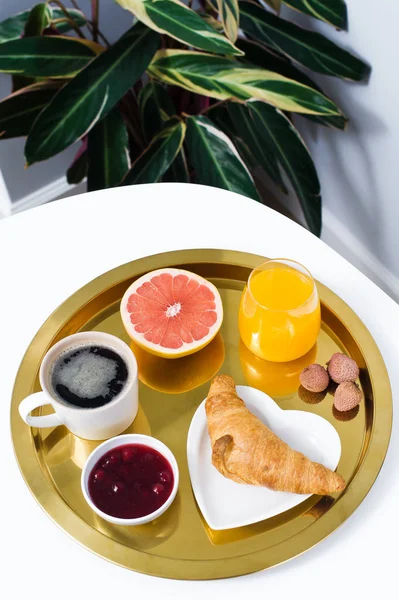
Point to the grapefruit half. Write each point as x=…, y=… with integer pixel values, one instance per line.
x=172, y=312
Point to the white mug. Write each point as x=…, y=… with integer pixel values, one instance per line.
x=90, y=423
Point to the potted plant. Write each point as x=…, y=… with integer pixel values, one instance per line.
x=203, y=94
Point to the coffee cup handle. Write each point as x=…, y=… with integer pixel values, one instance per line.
x=34, y=401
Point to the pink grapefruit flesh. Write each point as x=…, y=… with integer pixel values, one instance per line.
x=172, y=312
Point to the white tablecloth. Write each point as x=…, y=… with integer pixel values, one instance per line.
x=49, y=252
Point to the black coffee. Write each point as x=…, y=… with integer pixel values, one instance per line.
x=88, y=376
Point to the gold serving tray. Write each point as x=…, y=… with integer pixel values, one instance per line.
x=179, y=544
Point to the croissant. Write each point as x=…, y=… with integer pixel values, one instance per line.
x=247, y=451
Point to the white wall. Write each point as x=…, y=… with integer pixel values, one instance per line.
x=359, y=169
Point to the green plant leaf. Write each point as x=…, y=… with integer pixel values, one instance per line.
x=223, y=78
x=283, y=140
x=178, y=171
x=180, y=22
x=39, y=19
x=160, y=154
x=18, y=111
x=13, y=27
x=91, y=94
x=274, y=4
x=308, y=48
x=262, y=57
x=214, y=23
x=245, y=153
x=330, y=11
x=156, y=107
x=230, y=16
x=216, y=160
x=79, y=168
x=50, y=56
x=253, y=140
x=108, y=151
x=74, y=15
x=213, y=4
x=221, y=117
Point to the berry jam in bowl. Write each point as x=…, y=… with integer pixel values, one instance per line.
x=130, y=479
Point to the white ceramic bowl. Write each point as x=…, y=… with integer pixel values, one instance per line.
x=120, y=440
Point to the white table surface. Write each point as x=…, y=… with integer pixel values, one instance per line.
x=49, y=252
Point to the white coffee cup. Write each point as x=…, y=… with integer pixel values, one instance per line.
x=90, y=423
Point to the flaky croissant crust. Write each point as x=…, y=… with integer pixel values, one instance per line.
x=245, y=450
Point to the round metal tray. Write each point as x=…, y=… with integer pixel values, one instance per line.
x=180, y=544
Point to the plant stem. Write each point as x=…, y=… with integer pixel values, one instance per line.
x=90, y=25
x=212, y=106
x=68, y=18
x=95, y=13
x=104, y=39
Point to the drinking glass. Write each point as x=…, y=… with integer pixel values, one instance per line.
x=279, y=316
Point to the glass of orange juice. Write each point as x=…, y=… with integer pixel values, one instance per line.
x=279, y=316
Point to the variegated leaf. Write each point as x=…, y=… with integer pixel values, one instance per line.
x=173, y=18
x=160, y=154
x=215, y=158
x=283, y=140
x=39, y=19
x=331, y=11
x=91, y=94
x=263, y=57
x=252, y=138
x=108, y=151
x=52, y=56
x=214, y=23
x=220, y=115
x=223, y=78
x=230, y=16
x=156, y=107
x=213, y=4
x=308, y=48
x=178, y=171
x=13, y=27
x=19, y=110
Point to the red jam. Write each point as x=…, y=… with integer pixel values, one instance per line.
x=130, y=481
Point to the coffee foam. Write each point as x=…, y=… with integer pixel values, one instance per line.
x=87, y=375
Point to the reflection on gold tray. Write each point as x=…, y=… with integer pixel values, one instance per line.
x=313, y=508
x=179, y=544
x=182, y=374
x=275, y=379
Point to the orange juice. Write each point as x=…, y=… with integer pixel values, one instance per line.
x=279, y=318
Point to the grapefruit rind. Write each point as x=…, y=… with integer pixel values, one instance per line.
x=186, y=348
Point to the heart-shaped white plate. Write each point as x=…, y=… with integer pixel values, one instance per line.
x=226, y=504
